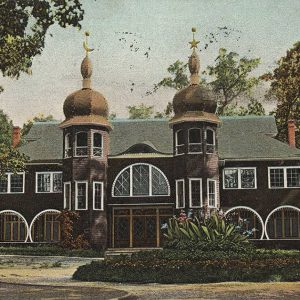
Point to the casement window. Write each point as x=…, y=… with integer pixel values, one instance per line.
x=284, y=177
x=13, y=228
x=97, y=144
x=68, y=145
x=212, y=192
x=210, y=140
x=48, y=182
x=67, y=195
x=98, y=196
x=81, y=144
x=195, y=192
x=12, y=183
x=141, y=180
x=180, y=193
x=239, y=178
x=195, y=140
x=81, y=195
x=179, y=142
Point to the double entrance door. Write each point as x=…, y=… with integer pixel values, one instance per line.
x=136, y=227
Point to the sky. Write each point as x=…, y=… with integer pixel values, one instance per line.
x=123, y=74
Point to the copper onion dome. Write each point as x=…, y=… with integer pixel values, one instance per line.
x=86, y=106
x=196, y=100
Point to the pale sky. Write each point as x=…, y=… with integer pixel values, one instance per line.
x=264, y=28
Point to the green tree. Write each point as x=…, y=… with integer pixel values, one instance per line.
x=10, y=159
x=231, y=77
x=24, y=24
x=38, y=118
x=254, y=107
x=285, y=87
x=141, y=111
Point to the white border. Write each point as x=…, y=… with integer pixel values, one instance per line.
x=273, y=211
x=150, y=181
x=86, y=198
x=176, y=143
x=67, y=137
x=284, y=178
x=87, y=144
x=9, y=182
x=201, y=143
x=190, y=192
x=93, y=131
x=214, y=137
x=183, y=190
x=51, y=182
x=102, y=195
x=28, y=235
x=216, y=193
x=68, y=183
x=37, y=216
x=255, y=212
x=239, y=178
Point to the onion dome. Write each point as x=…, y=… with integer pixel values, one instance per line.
x=196, y=102
x=86, y=106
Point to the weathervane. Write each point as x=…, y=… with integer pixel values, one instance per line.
x=194, y=43
x=85, y=44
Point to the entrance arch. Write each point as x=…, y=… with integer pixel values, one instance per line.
x=252, y=219
x=283, y=222
x=13, y=227
x=45, y=226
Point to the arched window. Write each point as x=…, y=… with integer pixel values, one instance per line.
x=68, y=145
x=195, y=140
x=97, y=144
x=210, y=141
x=179, y=142
x=81, y=148
x=141, y=180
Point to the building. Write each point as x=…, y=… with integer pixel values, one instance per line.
x=127, y=177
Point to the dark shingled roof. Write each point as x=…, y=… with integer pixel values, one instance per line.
x=240, y=138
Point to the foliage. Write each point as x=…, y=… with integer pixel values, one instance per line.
x=140, y=111
x=254, y=107
x=24, y=25
x=231, y=77
x=209, y=232
x=38, y=118
x=285, y=88
x=47, y=250
x=69, y=239
x=6, y=127
x=172, y=266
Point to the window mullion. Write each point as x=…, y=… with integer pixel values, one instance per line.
x=239, y=179
x=51, y=182
x=131, y=181
x=150, y=180
x=8, y=182
x=285, y=177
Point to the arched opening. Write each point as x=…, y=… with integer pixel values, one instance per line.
x=81, y=143
x=97, y=144
x=46, y=227
x=68, y=145
x=248, y=220
x=179, y=142
x=283, y=223
x=13, y=227
x=210, y=140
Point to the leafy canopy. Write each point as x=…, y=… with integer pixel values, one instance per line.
x=38, y=118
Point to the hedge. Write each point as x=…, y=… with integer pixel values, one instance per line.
x=175, y=267
x=48, y=251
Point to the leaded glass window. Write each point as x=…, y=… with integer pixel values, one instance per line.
x=210, y=141
x=67, y=195
x=81, y=195
x=12, y=183
x=57, y=182
x=68, y=146
x=97, y=144
x=180, y=193
x=277, y=177
x=195, y=192
x=49, y=182
x=98, y=195
x=179, y=140
x=4, y=184
x=211, y=192
x=195, y=140
x=239, y=178
x=293, y=177
x=284, y=177
x=141, y=180
x=81, y=144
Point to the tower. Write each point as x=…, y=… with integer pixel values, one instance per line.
x=195, y=141
x=86, y=145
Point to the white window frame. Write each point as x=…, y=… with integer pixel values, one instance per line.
x=216, y=193
x=76, y=194
x=285, y=186
x=67, y=149
x=51, y=182
x=214, y=140
x=81, y=147
x=102, y=195
x=176, y=143
x=183, y=191
x=9, y=174
x=190, y=192
x=70, y=196
x=239, y=178
x=92, y=152
x=201, y=143
x=131, y=182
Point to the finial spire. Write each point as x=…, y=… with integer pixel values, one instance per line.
x=86, y=65
x=194, y=63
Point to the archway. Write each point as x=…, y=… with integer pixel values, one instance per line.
x=249, y=219
x=13, y=227
x=283, y=222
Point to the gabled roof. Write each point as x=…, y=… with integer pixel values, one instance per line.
x=240, y=138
